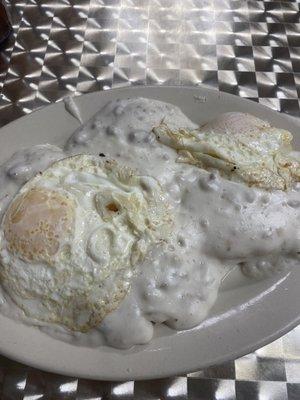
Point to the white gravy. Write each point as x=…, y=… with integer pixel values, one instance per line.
x=220, y=224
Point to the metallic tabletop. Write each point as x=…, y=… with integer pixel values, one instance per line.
x=247, y=48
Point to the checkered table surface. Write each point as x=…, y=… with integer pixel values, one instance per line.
x=247, y=48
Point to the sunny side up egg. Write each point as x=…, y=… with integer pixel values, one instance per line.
x=240, y=146
x=71, y=238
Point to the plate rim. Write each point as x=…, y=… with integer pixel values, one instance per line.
x=126, y=374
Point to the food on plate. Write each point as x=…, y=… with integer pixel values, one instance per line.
x=254, y=153
x=139, y=218
x=73, y=235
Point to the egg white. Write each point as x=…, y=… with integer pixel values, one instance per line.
x=242, y=147
x=72, y=237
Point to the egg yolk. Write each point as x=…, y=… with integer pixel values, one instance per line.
x=37, y=223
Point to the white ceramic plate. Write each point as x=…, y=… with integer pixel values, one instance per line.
x=247, y=314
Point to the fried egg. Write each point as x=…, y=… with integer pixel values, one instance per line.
x=72, y=237
x=242, y=147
